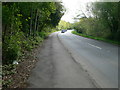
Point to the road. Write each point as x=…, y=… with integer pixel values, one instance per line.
x=70, y=61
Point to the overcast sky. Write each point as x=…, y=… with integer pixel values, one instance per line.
x=73, y=8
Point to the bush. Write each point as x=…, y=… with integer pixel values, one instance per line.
x=27, y=45
x=11, y=49
x=42, y=34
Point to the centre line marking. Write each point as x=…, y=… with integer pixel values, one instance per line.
x=94, y=46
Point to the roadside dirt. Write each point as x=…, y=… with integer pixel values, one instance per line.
x=23, y=69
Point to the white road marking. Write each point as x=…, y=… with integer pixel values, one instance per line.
x=94, y=46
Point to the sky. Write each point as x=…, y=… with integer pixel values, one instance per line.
x=73, y=8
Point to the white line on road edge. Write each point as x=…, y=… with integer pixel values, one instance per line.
x=95, y=46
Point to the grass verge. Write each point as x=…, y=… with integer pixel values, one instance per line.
x=97, y=38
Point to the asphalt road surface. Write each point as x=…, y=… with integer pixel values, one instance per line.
x=70, y=61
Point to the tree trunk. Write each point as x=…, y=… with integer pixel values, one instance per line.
x=36, y=15
x=31, y=22
x=37, y=23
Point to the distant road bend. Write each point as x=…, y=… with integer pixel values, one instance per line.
x=70, y=61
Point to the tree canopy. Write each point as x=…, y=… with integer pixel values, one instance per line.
x=104, y=23
x=26, y=22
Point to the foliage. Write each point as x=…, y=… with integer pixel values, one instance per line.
x=96, y=38
x=107, y=12
x=63, y=25
x=104, y=23
x=26, y=24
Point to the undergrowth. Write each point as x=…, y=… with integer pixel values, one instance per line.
x=15, y=48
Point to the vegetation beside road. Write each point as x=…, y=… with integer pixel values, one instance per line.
x=103, y=24
x=63, y=25
x=97, y=38
x=25, y=25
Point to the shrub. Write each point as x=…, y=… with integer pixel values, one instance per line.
x=11, y=50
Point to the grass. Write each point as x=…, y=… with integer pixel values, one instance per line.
x=97, y=38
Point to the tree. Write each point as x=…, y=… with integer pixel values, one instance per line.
x=64, y=25
x=25, y=23
x=107, y=12
x=104, y=21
